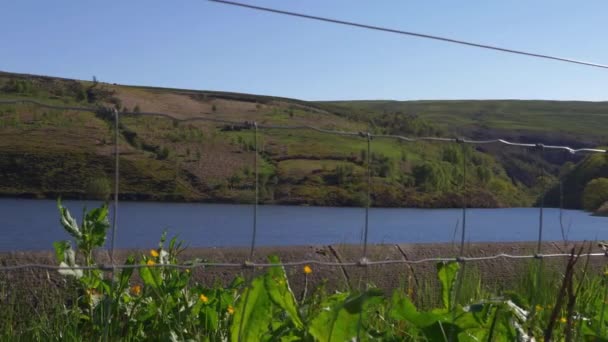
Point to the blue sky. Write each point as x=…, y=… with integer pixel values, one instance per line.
x=204, y=45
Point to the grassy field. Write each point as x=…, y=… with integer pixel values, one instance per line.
x=45, y=153
x=572, y=119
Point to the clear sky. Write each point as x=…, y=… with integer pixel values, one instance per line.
x=202, y=45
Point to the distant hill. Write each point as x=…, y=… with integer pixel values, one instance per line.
x=47, y=153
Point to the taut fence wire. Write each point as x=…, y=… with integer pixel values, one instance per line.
x=249, y=264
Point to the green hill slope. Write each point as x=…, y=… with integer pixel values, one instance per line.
x=46, y=153
x=573, y=121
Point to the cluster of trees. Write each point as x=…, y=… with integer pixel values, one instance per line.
x=405, y=124
x=19, y=86
x=595, y=194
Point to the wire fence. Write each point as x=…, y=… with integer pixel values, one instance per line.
x=368, y=137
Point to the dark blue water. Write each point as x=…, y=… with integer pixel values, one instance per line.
x=34, y=224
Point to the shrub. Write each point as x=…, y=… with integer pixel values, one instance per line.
x=163, y=153
x=595, y=193
x=98, y=188
x=432, y=176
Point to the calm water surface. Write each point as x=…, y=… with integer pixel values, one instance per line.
x=34, y=224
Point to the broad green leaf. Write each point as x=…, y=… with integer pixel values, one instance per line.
x=280, y=293
x=208, y=317
x=98, y=224
x=149, y=310
x=150, y=276
x=447, y=273
x=253, y=313
x=404, y=310
x=60, y=248
x=236, y=282
x=290, y=338
x=125, y=274
x=67, y=221
x=340, y=316
x=322, y=325
x=433, y=325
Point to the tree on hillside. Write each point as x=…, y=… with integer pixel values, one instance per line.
x=235, y=179
x=432, y=176
x=595, y=193
x=98, y=188
x=344, y=173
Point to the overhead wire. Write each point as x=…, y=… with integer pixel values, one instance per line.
x=413, y=34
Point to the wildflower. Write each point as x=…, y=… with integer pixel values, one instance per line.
x=187, y=270
x=563, y=320
x=92, y=292
x=606, y=273
x=307, y=269
x=94, y=296
x=136, y=290
x=230, y=309
x=538, y=308
x=203, y=298
x=150, y=262
x=154, y=253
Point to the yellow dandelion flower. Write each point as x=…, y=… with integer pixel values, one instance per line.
x=307, y=269
x=563, y=320
x=154, y=253
x=136, y=290
x=187, y=270
x=230, y=309
x=539, y=308
x=203, y=298
x=606, y=273
x=150, y=262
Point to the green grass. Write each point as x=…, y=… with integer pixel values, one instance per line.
x=574, y=118
x=304, y=167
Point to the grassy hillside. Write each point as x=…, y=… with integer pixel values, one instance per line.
x=46, y=153
x=573, y=121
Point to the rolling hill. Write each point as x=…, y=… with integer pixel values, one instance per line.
x=46, y=153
